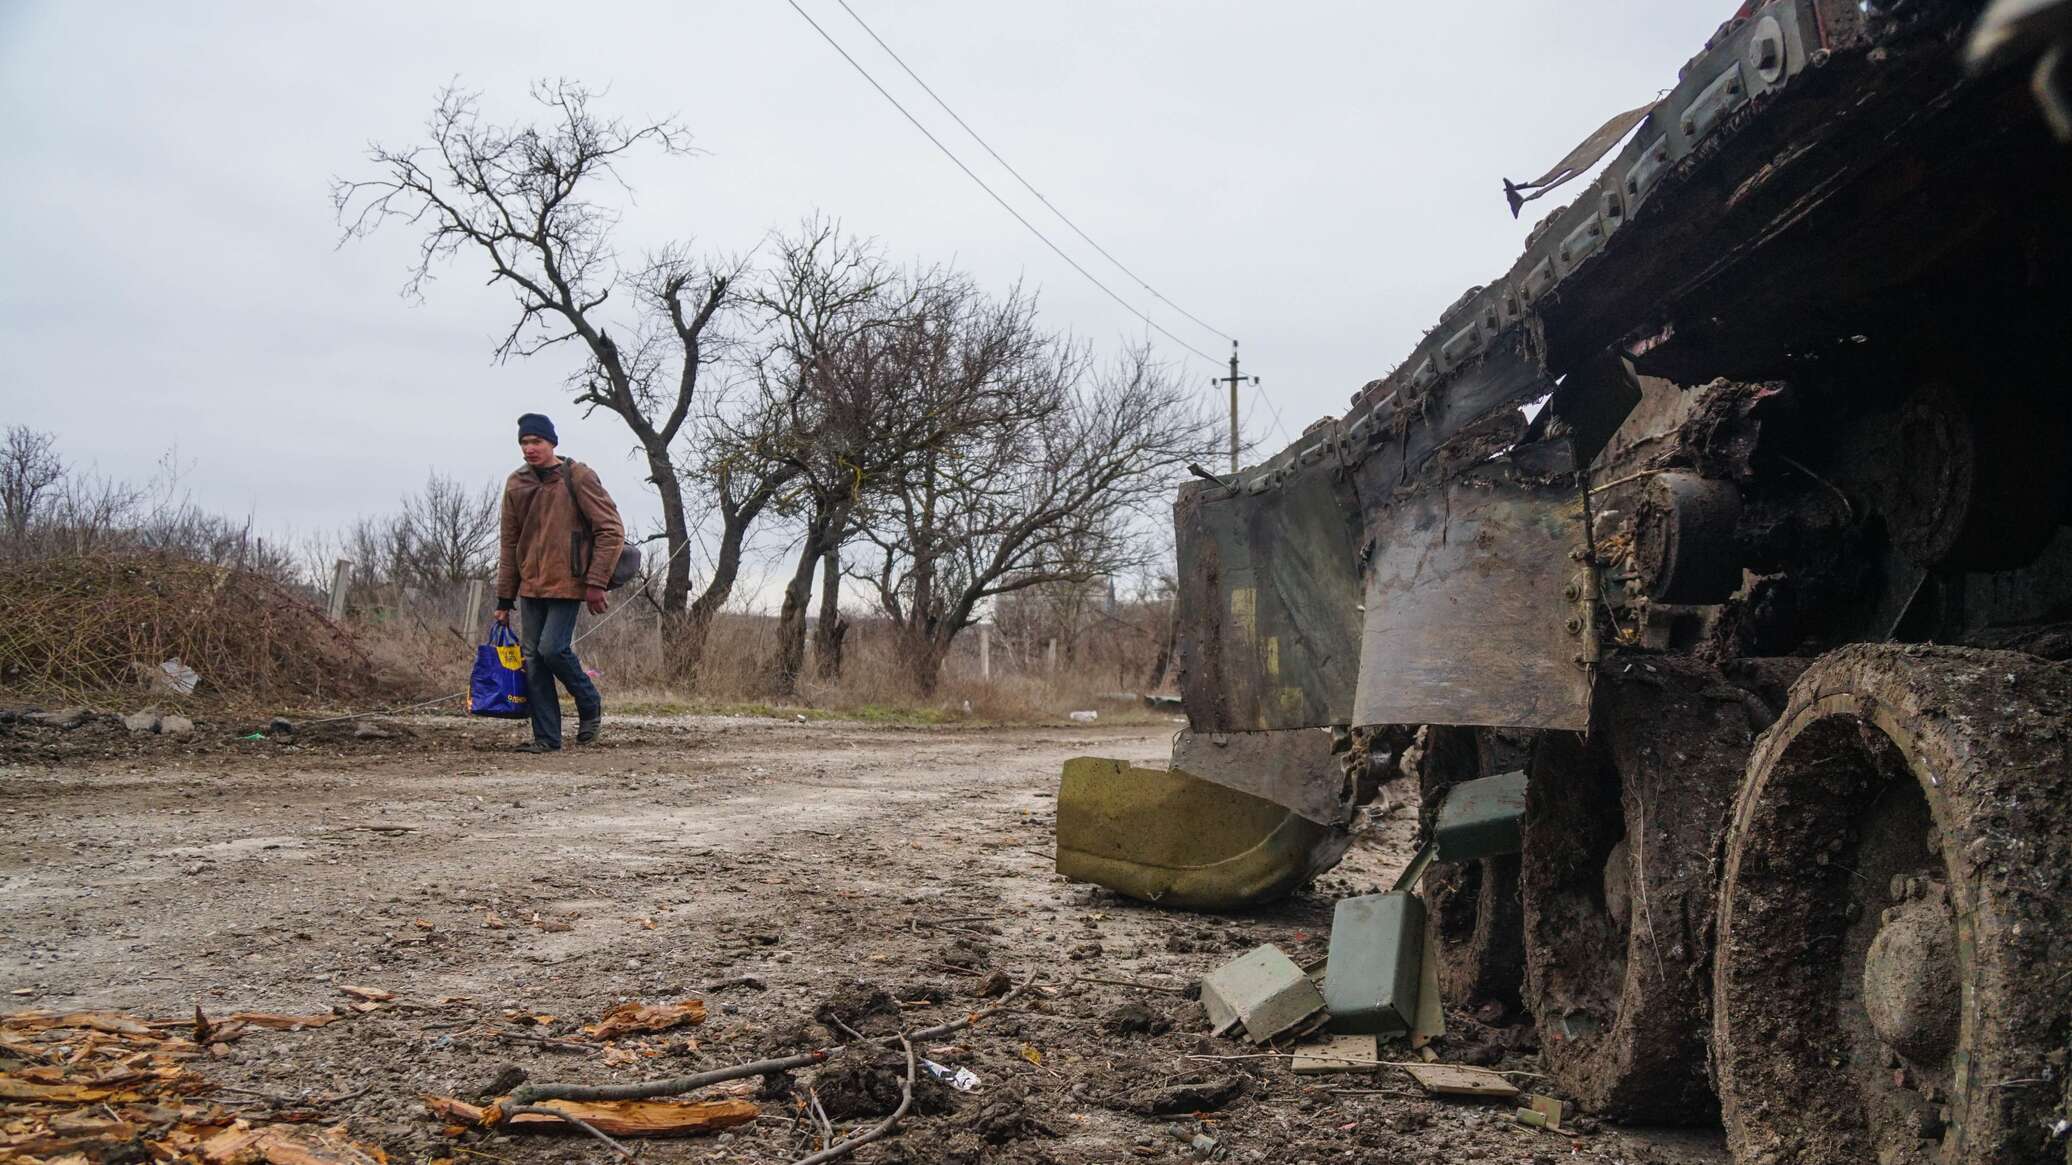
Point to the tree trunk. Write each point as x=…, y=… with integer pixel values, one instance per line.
x=683, y=636
x=790, y=657
x=676, y=576
x=832, y=629
x=685, y=642
x=921, y=657
x=1155, y=678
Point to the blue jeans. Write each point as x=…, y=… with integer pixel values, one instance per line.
x=546, y=627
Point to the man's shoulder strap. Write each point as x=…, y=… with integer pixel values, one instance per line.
x=568, y=476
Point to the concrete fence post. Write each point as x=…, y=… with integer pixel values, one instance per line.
x=985, y=652
x=476, y=589
x=341, y=578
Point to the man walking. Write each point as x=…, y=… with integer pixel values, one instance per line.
x=561, y=539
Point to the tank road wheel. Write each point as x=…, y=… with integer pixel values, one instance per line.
x=1473, y=916
x=1620, y=832
x=1891, y=982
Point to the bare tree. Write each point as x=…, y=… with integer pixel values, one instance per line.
x=448, y=533
x=739, y=443
x=379, y=548
x=1057, y=499
x=836, y=323
x=523, y=199
x=31, y=474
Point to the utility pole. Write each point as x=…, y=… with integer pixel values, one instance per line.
x=1233, y=380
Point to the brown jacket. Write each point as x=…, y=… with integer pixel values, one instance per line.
x=543, y=545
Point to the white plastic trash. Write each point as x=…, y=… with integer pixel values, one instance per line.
x=961, y=1079
x=1086, y=717
x=179, y=677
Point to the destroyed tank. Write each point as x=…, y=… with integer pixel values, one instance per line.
x=1734, y=516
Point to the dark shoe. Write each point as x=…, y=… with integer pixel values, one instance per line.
x=537, y=746
x=587, y=730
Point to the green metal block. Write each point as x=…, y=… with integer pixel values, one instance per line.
x=1377, y=941
x=1262, y=990
x=1482, y=818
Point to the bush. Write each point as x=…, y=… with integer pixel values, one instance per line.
x=78, y=627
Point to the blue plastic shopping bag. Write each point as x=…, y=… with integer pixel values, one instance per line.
x=498, y=686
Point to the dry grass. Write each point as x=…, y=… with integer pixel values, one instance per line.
x=90, y=630
x=624, y=654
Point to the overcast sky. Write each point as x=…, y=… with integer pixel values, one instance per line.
x=1317, y=179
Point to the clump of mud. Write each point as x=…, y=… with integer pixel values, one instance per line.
x=967, y=954
x=859, y=1006
x=867, y=1082
x=1202, y=1094
x=1135, y=1019
x=1002, y=1116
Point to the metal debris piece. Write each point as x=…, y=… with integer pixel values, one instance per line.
x=1262, y=991
x=1377, y=943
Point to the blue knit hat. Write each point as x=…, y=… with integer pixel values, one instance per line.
x=537, y=425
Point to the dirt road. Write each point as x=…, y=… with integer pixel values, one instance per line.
x=485, y=889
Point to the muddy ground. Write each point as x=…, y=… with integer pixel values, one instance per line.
x=486, y=889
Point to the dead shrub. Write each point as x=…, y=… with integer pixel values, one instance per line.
x=80, y=627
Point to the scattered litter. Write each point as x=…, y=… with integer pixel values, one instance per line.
x=961, y=1079
x=177, y=677
x=1544, y=1112
x=1262, y=991
x=1460, y=1080
x=253, y=736
x=368, y=994
x=644, y=1017
x=1086, y=717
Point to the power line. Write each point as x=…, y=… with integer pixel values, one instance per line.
x=1026, y=184
x=1004, y=204
x=1275, y=410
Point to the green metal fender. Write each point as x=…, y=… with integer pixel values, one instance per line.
x=1164, y=836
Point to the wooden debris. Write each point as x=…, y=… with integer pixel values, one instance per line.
x=284, y=1023
x=243, y=1144
x=1462, y=1080
x=647, y=1017
x=96, y=1086
x=1338, y=1054
x=369, y=994
x=623, y=1118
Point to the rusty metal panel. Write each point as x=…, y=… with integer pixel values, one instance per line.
x=1269, y=603
x=1295, y=770
x=1471, y=594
